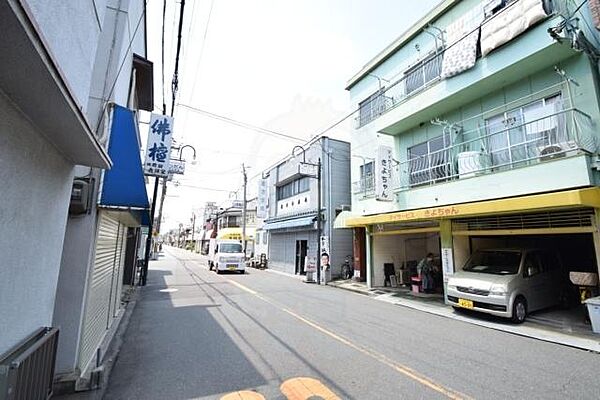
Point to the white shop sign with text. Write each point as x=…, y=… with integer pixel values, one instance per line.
x=383, y=174
x=158, y=147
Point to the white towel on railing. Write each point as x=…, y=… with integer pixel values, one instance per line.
x=461, y=37
x=509, y=23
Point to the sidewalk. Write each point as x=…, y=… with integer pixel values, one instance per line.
x=433, y=304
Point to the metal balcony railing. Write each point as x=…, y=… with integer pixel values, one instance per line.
x=414, y=79
x=553, y=136
x=364, y=186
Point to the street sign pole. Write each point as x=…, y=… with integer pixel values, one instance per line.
x=144, y=272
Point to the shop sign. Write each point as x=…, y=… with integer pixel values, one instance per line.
x=310, y=264
x=158, y=146
x=176, y=167
x=325, y=245
x=263, y=199
x=438, y=212
x=383, y=174
x=447, y=263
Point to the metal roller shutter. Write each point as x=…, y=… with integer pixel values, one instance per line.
x=99, y=291
x=548, y=222
x=117, y=284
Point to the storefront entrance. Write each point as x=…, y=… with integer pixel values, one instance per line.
x=301, y=251
x=396, y=256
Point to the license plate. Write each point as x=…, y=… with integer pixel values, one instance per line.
x=231, y=266
x=465, y=303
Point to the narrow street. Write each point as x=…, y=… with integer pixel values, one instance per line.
x=198, y=335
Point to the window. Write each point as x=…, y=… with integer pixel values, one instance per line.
x=371, y=107
x=533, y=264
x=429, y=161
x=521, y=134
x=497, y=262
x=293, y=188
x=423, y=72
x=367, y=181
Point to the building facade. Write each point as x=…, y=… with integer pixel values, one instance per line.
x=490, y=112
x=69, y=104
x=292, y=206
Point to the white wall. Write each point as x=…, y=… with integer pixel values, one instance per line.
x=364, y=148
x=70, y=30
x=36, y=188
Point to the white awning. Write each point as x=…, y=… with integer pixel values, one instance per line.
x=291, y=223
x=340, y=220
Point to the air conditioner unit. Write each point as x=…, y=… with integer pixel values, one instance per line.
x=472, y=163
x=557, y=150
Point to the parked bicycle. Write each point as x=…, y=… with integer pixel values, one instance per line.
x=347, y=268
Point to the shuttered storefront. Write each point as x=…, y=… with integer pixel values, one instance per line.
x=104, y=291
x=282, y=248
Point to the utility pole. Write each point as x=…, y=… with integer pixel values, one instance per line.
x=193, y=224
x=174, y=87
x=319, y=222
x=244, y=210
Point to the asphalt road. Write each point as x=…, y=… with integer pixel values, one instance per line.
x=198, y=335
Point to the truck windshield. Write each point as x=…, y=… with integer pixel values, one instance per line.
x=230, y=248
x=494, y=262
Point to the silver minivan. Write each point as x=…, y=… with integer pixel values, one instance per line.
x=508, y=282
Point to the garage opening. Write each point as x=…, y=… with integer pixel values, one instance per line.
x=567, y=233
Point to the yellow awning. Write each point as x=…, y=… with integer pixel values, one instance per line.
x=588, y=197
x=235, y=233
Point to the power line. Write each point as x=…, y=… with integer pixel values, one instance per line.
x=242, y=124
x=201, y=53
x=175, y=82
x=164, y=102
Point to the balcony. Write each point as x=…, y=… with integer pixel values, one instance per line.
x=365, y=186
x=502, y=147
x=420, y=94
x=415, y=79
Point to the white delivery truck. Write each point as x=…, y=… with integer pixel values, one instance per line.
x=226, y=255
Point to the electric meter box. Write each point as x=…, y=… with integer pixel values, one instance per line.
x=80, y=195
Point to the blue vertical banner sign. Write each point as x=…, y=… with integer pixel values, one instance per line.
x=158, y=148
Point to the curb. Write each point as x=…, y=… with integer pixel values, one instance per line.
x=110, y=357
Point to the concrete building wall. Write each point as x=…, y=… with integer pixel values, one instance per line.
x=78, y=252
x=111, y=76
x=74, y=49
x=336, y=173
x=33, y=212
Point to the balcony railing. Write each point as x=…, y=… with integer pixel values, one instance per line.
x=364, y=186
x=515, y=145
x=414, y=79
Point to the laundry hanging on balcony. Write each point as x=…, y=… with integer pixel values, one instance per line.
x=594, y=6
x=509, y=23
x=462, y=38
